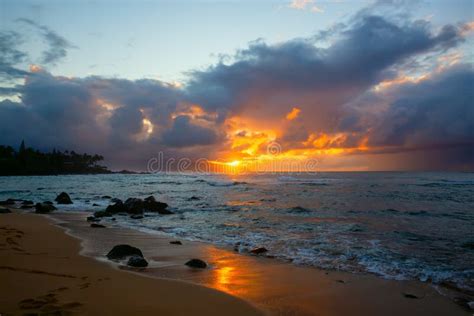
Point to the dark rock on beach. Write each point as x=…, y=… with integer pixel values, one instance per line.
x=152, y=205
x=118, y=207
x=102, y=214
x=259, y=250
x=4, y=210
x=92, y=219
x=139, y=206
x=7, y=202
x=94, y=225
x=194, y=198
x=25, y=204
x=106, y=197
x=136, y=216
x=137, y=261
x=48, y=202
x=44, y=208
x=134, y=206
x=63, y=198
x=165, y=212
x=123, y=251
x=95, y=204
x=196, y=263
x=176, y=242
x=410, y=295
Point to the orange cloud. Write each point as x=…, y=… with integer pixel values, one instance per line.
x=35, y=68
x=467, y=28
x=386, y=84
x=293, y=114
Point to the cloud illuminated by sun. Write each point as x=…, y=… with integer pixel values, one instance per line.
x=305, y=4
x=293, y=114
x=35, y=68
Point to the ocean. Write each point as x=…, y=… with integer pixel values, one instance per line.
x=403, y=226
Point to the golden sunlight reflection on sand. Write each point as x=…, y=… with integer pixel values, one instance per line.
x=231, y=275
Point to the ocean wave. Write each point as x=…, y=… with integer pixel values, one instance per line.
x=446, y=184
x=14, y=191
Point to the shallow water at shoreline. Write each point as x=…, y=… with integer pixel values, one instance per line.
x=273, y=286
x=395, y=225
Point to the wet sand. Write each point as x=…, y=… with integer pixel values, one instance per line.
x=276, y=287
x=42, y=273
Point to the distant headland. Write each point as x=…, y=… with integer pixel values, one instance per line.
x=30, y=161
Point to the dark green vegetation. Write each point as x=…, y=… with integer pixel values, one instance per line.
x=28, y=161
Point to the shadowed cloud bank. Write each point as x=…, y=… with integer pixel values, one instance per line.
x=373, y=93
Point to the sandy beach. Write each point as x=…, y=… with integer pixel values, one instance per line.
x=46, y=270
x=42, y=272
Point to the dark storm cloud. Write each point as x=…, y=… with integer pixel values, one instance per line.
x=57, y=45
x=100, y=115
x=184, y=133
x=433, y=118
x=438, y=111
x=357, y=59
x=53, y=111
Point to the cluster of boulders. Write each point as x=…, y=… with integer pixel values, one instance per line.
x=126, y=252
x=8, y=202
x=24, y=204
x=48, y=206
x=40, y=208
x=132, y=206
x=135, y=207
x=45, y=207
x=134, y=257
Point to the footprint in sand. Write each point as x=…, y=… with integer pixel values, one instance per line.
x=84, y=286
x=48, y=304
x=71, y=305
x=60, y=289
x=10, y=241
x=103, y=279
x=38, y=302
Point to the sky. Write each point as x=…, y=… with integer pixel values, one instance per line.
x=350, y=85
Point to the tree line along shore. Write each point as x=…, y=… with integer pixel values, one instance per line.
x=30, y=161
